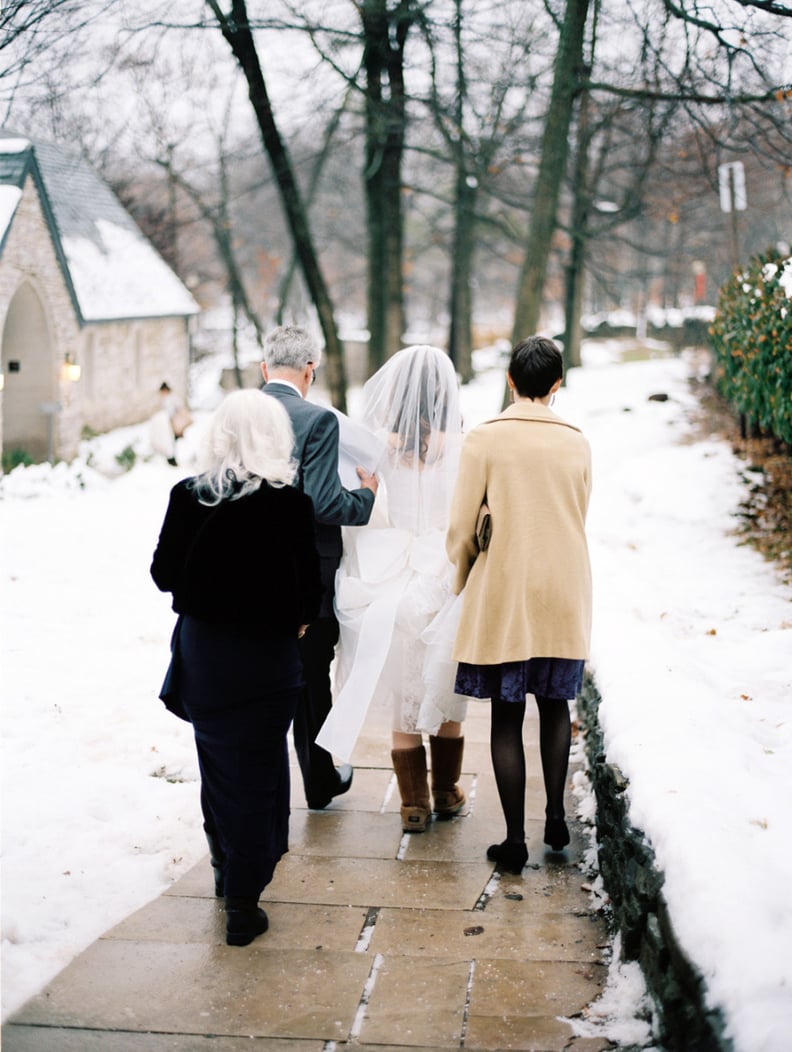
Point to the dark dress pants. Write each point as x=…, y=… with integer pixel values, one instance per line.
x=317, y=648
x=243, y=757
x=240, y=691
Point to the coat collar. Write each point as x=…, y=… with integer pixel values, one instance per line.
x=287, y=384
x=530, y=411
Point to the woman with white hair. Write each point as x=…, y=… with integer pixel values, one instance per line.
x=238, y=553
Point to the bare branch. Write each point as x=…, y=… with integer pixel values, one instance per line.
x=776, y=94
x=771, y=7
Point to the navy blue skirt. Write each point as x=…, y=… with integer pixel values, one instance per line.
x=559, y=678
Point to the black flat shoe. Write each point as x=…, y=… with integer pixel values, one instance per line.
x=556, y=833
x=244, y=921
x=509, y=856
x=345, y=774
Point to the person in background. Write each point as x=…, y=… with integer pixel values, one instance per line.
x=168, y=424
x=394, y=587
x=237, y=551
x=526, y=611
x=291, y=358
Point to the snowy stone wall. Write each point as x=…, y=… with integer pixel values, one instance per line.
x=122, y=363
x=29, y=265
x=29, y=253
x=634, y=885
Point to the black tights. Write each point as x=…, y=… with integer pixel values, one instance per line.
x=508, y=758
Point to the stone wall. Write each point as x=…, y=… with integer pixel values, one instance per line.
x=30, y=267
x=29, y=254
x=635, y=887
x=122, y=362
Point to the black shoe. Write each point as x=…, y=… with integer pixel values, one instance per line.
x=345, y=774
x=244, y=921
x=509, y=856
x=556, y=834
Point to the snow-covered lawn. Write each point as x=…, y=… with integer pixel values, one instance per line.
x=692, y=652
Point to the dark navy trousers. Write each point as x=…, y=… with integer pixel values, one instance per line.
x=240, y=692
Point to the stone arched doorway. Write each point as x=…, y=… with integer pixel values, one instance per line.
x=28, y=368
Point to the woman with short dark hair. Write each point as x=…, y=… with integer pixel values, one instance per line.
x=526, y=610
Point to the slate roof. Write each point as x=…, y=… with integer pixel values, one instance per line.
x=113, y=272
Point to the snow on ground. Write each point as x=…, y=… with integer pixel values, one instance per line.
x=691, y=651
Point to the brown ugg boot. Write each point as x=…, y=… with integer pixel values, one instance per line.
x=446, y=769
x=410, y=768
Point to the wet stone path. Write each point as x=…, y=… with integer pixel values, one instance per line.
x=377, y=940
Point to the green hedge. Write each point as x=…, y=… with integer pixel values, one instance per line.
x=752, y=340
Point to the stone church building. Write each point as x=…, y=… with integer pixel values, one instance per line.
x=92, y=320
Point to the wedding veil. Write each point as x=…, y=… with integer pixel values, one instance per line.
x=412, y=404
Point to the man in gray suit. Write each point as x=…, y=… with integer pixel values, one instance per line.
x=291, y=358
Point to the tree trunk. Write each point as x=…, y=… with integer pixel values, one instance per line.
x=460, y=337
x=384, y=36
x=316, y=172
x=235, y=340
x=568, y=63
x=573, y=305
x=219, y=221
x=236, y=30
x=576, y=267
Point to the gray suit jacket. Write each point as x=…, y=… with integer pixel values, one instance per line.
x=316, y=451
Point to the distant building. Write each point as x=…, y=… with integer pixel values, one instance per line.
x=92, y=319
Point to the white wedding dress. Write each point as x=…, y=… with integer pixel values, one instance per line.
x=395, y=608
x=397, y=614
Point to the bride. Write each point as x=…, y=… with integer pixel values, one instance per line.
x=393, y=588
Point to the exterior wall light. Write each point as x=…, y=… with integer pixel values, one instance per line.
x=70, y=371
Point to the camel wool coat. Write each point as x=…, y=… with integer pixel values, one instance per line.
x=529, y=594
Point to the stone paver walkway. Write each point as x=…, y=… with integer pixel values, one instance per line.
x=377, y=940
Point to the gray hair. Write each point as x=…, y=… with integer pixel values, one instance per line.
x=249, y=441
x=290, y=347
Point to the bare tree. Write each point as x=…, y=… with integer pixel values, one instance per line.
x=569, y=65
x=236, y=29
x=385, y=29
x=32, y=36
x=480, y=125
x=313, y=185
x=489, y=181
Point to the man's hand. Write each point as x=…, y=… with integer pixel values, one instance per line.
x=367, y=481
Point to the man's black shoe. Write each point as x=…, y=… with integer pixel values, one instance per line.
x=345, y=774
